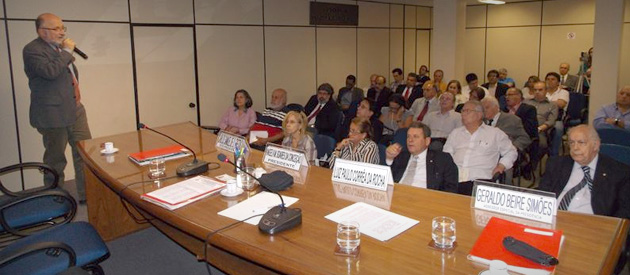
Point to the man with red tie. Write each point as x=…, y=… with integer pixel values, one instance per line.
x=428, y=103
x=410, y=91
x=322, y=113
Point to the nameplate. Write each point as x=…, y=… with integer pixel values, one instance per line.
x=284, y=157
x=229, y=142
x=362, y=174
x=515, y=201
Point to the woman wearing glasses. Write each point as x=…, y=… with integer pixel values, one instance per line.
x=358, y=146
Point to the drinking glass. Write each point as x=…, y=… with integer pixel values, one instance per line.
x=443, y=232
x=348, y=235
x=157, y=168
x=248, y=182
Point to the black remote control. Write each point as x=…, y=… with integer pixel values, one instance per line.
x=529, y=252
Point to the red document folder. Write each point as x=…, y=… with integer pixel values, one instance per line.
x=489, y=245
x=169, y=152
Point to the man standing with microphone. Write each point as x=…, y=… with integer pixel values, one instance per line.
x=56, y=110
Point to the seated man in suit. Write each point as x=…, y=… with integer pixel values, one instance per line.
x=527, y=114
x=588, y=182
x=379, y=94
x=567, y=81
x=424, y=105
x=417, y=166
x=480, y=151
x=399, y=79
x=495, y=88
x=546, y=113
x=510, y=124
x=410, y=91
x=322, y=112
x=271, y=119
x=616, y=115
x=349, y=94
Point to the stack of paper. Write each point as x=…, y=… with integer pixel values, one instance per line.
x=184, y=192
x=167, y=153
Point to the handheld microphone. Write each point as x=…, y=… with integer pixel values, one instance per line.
x=81, y=53
x=278, y=218
x=192, y=168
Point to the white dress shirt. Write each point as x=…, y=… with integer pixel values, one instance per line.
x=442, y=124
x=559, y=94
x=581, y=202
x=477, y=154
x=420, y=174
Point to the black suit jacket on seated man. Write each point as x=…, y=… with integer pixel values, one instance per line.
x=382, y=100
x=611, y=184
x=327, y=119
x=416, y=93
x=441, y=170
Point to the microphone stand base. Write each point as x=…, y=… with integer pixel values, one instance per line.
x=279, y=219
x=192, y=168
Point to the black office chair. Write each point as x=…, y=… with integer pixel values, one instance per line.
x=28, y=211
x=614, y=136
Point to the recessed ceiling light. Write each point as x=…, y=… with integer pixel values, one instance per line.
x=493, y=2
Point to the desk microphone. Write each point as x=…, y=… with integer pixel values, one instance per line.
x=192, y=168
x=278, y=218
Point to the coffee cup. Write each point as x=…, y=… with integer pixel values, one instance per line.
x=109, y=146
x=231, y=187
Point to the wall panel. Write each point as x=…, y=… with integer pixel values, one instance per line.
x=558, y=12
x=515, y=49
x=373, y=55
x=475, y=16
x=9, y=144
x=423, y=17
x=627, y=12
x=277, y=12
x=290, y=57
x=396, y=48
x=557, y=48
x=396, y=14
x=410, y=50
x=229, y=58
x=516, y=14
x=336, y=55
x=229, y=11
x=624, y=69
x=167, y=11
x=373, y=15
x=475, y=54
x=410, y=17
x=93, y=10
x=422, y=50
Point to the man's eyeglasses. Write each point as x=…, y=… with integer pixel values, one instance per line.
x=57, y=29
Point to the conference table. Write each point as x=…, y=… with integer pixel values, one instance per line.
x=114, y=185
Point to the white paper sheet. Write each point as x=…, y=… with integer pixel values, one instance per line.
x=255, y=205
x=373, y=221
x=255, y=135
x=184, y=192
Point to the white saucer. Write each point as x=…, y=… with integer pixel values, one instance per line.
x=114, y=150
x=225, y=193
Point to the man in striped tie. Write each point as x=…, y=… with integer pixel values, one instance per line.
x=588, y=182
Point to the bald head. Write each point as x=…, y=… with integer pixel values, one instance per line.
x=623, y=97
x=50, y=28
x=278, y=99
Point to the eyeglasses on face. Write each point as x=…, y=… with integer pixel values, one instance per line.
x=57, y=29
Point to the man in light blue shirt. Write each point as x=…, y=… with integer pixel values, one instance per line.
x=616, y=115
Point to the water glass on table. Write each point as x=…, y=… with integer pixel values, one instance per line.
x=348, y=236
x=248, y=183
x=443, y=232
x=157, y=168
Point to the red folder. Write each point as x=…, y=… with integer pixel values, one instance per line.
x=489, y=245
x=158, y=153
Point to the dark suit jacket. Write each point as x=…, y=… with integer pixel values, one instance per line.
x=416, y=93
x=327, y=119
x=500, y=93
x=52, y=94
x=571, y=82
x=357, y=94
x=441, y=170
x=611, y=184
x=513, y=127
x=527, y=114
x=382, y=99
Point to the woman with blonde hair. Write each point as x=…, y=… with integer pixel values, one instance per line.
x=296, y=137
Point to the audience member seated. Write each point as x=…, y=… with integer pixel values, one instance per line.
x=322, y=112
x=438, y=81
x=588, y=182
x=443, y=122
x=423, y=75
x=504, y=79
x=560, y=97
x=510, y=124
x=480, y=151
x=399, y=79
x=455, y=88
x=477, y=93
x=420, y=167
x=410, y=91
x=616, y=115
x=379, y=93
x=358, y=146
x=365, y=111
x=349, y=94
x=429, y=103
x=395, y=117
x=473, y=82
x=270, y=120
x=241, y=117
x=296, y=137
x=495, y=88
x=528, y=90
x=546, y=113
x=372, y=82
x=567, y=81
x=526, y=112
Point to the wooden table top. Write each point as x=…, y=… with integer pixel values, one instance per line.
x=592, y=243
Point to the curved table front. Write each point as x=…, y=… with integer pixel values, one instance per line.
x=591, y=246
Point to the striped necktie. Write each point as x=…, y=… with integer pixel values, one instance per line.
x=566, y=200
